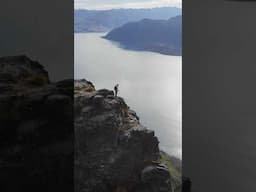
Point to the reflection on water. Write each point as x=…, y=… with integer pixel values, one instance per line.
x=149, y=82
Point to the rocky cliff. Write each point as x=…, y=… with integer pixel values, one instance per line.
x=36, y=128
x=113, y=151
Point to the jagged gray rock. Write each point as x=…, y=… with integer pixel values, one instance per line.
x=36, y=128
x=21, y=69
x=157, y=178
x=113, y=151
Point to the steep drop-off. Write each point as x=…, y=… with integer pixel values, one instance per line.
x=113, y=151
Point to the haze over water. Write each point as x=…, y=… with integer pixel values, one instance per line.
x=150, y=83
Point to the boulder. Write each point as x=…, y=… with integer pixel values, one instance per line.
x=157, y=178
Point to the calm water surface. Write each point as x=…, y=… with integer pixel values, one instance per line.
x=149, y=82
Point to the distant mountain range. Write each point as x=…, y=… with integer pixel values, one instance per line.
x=162, y=36
x=106, y=20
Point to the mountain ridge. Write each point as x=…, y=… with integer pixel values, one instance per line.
x=106, y=20
x=161, y=36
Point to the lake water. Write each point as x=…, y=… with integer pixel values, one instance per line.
x=150, y=83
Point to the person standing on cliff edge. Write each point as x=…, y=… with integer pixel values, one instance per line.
x=116, y=89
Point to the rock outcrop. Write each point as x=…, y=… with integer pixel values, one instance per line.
x=113, y=151
x=36, y=128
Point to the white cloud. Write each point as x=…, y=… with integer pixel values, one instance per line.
x=103, y=4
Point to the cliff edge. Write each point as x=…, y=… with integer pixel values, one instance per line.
x=113, y=151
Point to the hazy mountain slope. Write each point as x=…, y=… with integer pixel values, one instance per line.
x=162, y=36
x=106, y=20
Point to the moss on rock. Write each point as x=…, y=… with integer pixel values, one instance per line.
x=174, y=166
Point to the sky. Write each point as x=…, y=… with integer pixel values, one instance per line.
x=112, y=4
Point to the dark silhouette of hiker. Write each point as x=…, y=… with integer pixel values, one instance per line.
x=116, y=89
